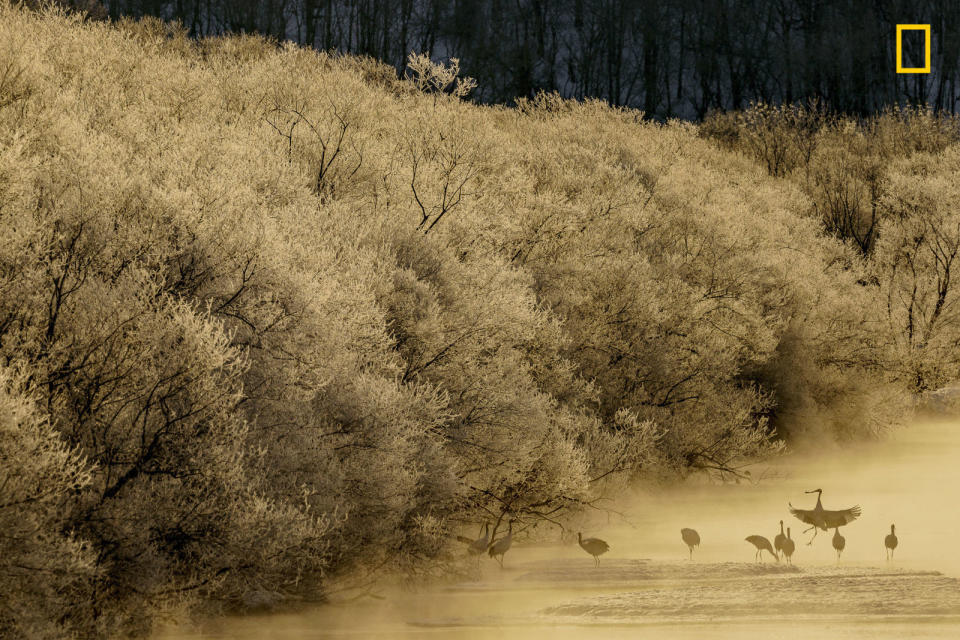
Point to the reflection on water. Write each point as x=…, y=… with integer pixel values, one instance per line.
x=647, y=583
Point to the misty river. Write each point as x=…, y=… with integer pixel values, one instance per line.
x=646, y=586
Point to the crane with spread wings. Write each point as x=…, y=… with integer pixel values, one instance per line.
x=820, y=518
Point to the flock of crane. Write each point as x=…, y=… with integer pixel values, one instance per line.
x=818, y=518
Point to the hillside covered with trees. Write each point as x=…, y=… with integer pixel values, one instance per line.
x=270, y=316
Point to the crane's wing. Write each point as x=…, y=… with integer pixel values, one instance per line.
x=464, y=540
x=478, y=546
x=600, y=545
x=690, y=536
x=842, y=517
x=806, y=515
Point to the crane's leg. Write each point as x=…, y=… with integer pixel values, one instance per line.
x=815, y=532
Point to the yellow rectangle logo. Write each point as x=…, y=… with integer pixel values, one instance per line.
x=926, y=48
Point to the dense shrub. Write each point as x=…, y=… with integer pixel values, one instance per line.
x=886, y=187
x=46, y=569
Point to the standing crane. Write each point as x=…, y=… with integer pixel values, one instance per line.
x=762, y=544
x=820, y=518
x=691, y=538
x=788, y=547
x=594, y=546
x=890, y=542
x=839, y=542
x=478, y=546
x=501, y=546
x=778, y=541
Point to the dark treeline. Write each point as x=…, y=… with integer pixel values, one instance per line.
x=671, y=59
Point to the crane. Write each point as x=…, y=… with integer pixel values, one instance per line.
x=839, y=542
x=691, y=538
x=478, y=546
x=890, y=542
x=501, y=546
x=788, y=547
x=778, y=541
x=820, y=518
x=762, y=544
x=594, y=546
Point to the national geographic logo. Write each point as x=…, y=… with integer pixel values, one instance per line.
x=926, y=48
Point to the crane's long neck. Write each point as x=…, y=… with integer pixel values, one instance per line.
x=781, y=527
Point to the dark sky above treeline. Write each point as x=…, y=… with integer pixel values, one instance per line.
x=670, y=58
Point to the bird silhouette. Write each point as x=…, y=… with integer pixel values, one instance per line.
x=820, y=518
x=839, y=542
x=762, y=544
x=691, y=538
x=501, y=546
x=788, y=547
x=478, y=546
x=778, y=541
x=890, y=542
x=594, y=546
